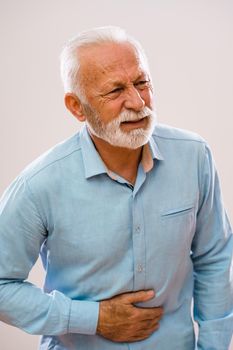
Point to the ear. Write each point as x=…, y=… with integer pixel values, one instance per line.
x=74, y=105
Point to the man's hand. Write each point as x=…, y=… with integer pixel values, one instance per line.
x=121, y=321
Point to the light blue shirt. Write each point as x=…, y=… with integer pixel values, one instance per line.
x=99, y=237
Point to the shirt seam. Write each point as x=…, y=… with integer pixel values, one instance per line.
x=202, y=177
x=69, y=317
x=35, y=204
x=179, y=139
x=29, y=177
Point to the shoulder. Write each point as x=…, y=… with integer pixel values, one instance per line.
x=53, y=157
x=44, y=177
x=169, y=133
x=180, y=144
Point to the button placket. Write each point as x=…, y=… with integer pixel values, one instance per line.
x=138, y=243
x=140, y=268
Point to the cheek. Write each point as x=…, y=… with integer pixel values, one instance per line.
x=110, y=111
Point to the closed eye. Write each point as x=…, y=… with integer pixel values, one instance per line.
x=119, y=89
x=142, y=83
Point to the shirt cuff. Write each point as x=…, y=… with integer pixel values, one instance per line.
x=83, y=317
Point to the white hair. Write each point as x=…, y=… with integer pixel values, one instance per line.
x=69, y=57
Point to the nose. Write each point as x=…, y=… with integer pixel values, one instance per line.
x=133, y=99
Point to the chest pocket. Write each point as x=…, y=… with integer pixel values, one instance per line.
x=178, y=225
x=177, y=212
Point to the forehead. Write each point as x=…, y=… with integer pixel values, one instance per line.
x=109, y=62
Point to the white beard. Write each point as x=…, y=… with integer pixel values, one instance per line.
x=112, y=133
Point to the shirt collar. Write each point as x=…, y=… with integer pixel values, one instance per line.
x=149, y=153
x=94, y=165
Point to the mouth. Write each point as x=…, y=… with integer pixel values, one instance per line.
x=134, y=124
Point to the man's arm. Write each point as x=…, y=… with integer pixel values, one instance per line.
x=22, y=232
x=213, y=269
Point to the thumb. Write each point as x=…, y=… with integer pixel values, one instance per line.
x=136, y=297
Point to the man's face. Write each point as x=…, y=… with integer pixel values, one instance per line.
x=119, y=94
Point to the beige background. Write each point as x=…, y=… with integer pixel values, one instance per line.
x=190, y=50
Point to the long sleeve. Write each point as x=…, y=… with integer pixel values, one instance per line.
x=213, y=268
x=22, y=233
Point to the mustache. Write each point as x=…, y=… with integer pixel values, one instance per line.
x=130, y=116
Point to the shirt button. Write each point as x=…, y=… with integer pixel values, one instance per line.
x=138, y=228
x=139, y=268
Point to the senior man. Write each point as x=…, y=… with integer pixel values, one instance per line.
x=127, y=216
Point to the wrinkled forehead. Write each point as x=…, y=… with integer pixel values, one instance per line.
x=105, y=58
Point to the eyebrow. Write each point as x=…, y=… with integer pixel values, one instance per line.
x=111, y=83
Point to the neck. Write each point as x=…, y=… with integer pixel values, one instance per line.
x=120, y=160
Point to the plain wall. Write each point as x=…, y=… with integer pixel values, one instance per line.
x=190, y=49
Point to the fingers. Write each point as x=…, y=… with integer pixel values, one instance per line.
x=147, y=328
x=150, y=313
x=139, y=312
x=137, y=297
x=120, y=320
x=150, y=325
